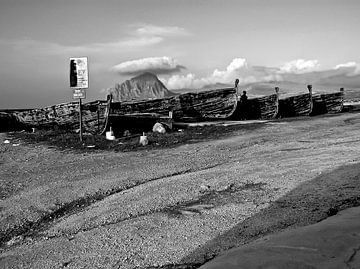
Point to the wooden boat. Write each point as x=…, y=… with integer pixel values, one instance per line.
x=299, y=105
x=160, y=106
x=66, y=115
x=265, y=107
x=328, y=102
x=207, y=105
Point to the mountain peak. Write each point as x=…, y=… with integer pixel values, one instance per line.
x=142, y=87
x=146, y=76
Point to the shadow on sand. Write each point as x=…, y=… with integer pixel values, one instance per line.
x=310, y=202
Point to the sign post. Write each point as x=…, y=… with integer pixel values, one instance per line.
x=79, y=81
x=80, y=121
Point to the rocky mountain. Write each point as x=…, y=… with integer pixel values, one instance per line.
x=143, y=87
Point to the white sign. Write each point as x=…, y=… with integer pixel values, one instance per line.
x=79, y=93
x=79, y=77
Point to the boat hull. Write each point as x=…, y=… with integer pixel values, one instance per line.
x=157, y=106
x=66, y=115
x=328, y=103
x=299, y=105
x=207, y=105
x=265, y=107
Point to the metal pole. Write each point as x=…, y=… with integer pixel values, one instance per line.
x=98, y=117
x=80, y=121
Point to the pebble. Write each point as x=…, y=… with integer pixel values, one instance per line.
x=14, y=240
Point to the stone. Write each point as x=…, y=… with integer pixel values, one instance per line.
x=159, y=128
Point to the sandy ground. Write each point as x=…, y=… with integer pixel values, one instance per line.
x=329, y=244
x=178, y=207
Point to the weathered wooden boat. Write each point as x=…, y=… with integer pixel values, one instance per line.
x=328, y=102
x=265, y=107
x=66, y=115
x=299, y=105
x=206, y=105
x=161, y=106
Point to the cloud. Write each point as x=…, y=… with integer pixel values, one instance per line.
x=51, y=48
x=350, y=68
x=346, y=65
x=141, y=37
x=238, y=68
x=157, y=65
x=231, y=69
x=181, y=81
x=297, y=71
x=300, y=66
x=154, y=30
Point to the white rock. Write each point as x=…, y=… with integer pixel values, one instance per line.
x=158, y=127
x=15, y=240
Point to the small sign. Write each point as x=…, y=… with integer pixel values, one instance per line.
x=79, y=93
x=79, y=78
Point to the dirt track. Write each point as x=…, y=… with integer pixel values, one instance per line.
x=174, y=206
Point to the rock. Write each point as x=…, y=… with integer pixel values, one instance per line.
x=204, y=188
x=159, y=128
x=14, y=240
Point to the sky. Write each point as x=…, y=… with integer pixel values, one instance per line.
x=188, y=43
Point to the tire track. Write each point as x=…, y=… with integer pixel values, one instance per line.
x=33, y=229
x=209, y=199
